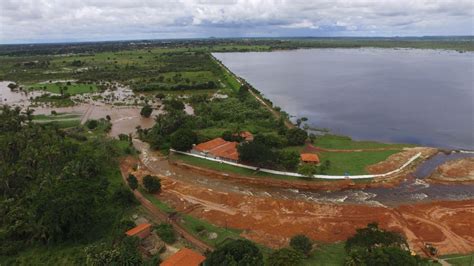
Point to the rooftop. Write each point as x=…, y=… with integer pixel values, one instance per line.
x=309, y=157
x=184, y=256
x=137, y=229
x=220, y=148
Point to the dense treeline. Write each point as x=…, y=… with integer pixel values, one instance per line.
x=451, y=42
x=53, y=187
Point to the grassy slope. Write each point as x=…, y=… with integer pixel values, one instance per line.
x=329, y=141
x=460, y=260
x=327, y=254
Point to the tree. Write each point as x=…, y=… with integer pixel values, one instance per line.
x=288, y=159
x=152, y=184
x=174, y=104
x=302, y=244
x=124, y=197
x=374, y=246
x=296, y=136
x=285, y=257
x=307, y=169
x=183, y=139
x=372, y=236
x=160, y=95
x=256, y=153
x=227, y=135
x=146, y=111
x=92, y=124
x=132, y=181
x=236, y=252
x=12, y=86
x=166, y=232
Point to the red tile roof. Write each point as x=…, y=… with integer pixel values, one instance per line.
x=309, y=157
x=219, y=148
x=184, y=257
x=137, y=229
x=227, y=150
x=209, y=145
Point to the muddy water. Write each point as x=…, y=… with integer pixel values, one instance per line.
x=410, y=190
x=124, y=119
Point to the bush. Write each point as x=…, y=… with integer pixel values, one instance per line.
x=146, y=111
x=307, y=169
x=296, y=136
x=284, y=257
x=183, y=139
x=152, y=184
x=301, y=243
x=237, y=252
x=124, y=197
x=132, y=181
x=92, y=124
x=166, y=233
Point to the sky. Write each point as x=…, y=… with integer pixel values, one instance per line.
x=30, y=21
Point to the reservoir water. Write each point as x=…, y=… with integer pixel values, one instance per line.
x=424, y=97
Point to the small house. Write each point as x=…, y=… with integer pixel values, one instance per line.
x=218, y=148
x=141, y=231
x=184, y=256
x=309, y=158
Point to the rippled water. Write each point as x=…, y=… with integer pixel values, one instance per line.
x=423, y=97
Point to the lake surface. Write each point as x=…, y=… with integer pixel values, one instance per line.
x=424, y=97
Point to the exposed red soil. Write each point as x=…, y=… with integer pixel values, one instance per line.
x=272, y=221
x=460, y=170
x=396, y=160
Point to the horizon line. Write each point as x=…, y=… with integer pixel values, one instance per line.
x=229, y=38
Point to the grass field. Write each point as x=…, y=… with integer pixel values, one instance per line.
x=74, y=88
x=460, y=260
x=228, y=168
x=192, y=225
x=64, y=120
x=353, y=163
x=329, y=141
x=327, y=254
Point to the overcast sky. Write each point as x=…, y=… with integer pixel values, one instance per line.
x=94, y=20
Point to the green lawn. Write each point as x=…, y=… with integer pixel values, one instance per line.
x=64, y=120
x=74, y=88
x=460, y=260
x=327, y=254
x=353, y=163
x=228, y=168
x=191, y=224
x=329, y=141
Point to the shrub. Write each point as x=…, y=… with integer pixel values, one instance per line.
x=92, y=124
x=132, y=182
x=183, y=139
x=284, y=257
x=146, y=111
x=166, y=233
x=296, y=136
x=301, y=243
x=237, y=252
x=124, y=197
x=152, y=184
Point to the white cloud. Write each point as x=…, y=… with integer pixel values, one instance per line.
x=44, y=20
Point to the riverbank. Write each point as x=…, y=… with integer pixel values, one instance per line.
x=271, y=221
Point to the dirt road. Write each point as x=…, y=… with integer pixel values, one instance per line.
x=160, y=216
